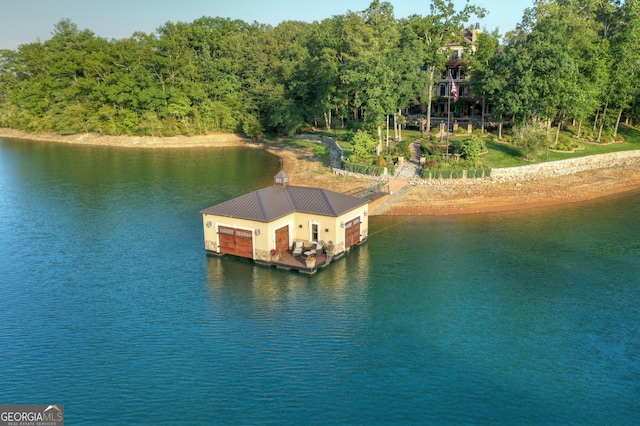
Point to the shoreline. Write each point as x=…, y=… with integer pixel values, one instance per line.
x=431, y=198
x=123, y=141
x=495, y=196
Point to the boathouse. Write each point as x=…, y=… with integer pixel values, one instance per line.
x=287, y=225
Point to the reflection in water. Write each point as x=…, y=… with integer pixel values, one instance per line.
x=271, y=286
x=526, y=317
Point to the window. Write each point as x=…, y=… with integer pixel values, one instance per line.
x=315, y=236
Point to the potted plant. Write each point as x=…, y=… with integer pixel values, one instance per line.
x=275, y=255
x=311, y=260
x=329, y=250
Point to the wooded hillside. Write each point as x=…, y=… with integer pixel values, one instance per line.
x=566, y=60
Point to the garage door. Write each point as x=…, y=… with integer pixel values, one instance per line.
x=237, y=242
x=352, y=232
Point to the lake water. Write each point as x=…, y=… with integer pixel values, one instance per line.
x=109, y=305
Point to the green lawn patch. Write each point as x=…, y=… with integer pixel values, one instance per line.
x=507, y=155
x=502, y=154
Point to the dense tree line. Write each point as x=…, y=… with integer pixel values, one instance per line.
x=216, y=74
x=568, y=59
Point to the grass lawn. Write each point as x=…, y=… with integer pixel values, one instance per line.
x=502, y=154
x=319, y=150
x=506, y=155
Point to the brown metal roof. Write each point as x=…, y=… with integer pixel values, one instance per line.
x=268, y=204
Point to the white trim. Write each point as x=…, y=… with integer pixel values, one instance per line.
x=319, y=225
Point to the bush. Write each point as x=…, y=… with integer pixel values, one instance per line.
x=434, y=150
x=530, y=138
x=607, y=135
x=407, y=153
x=364, y=144
x=432, y=164
x=363, y=168
x=442, y=173
x=566, y=143
x=472, y=148
x=587, y=133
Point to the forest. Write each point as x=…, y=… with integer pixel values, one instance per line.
x=567, y=61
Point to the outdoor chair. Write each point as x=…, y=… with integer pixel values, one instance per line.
x=297, y=248
x=317, y=247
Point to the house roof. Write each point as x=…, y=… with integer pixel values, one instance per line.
x=268, y=204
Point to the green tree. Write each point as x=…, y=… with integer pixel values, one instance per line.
x=478, y=67
x=626, y=73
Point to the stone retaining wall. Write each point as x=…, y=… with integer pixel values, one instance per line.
x=335, y=152
x=533, y=171
x=566, y=167
x=342, y=172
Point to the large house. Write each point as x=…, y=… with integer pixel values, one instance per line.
x=284, y=219
x=455, y=73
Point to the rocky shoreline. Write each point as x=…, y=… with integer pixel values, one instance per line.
x=507, y=189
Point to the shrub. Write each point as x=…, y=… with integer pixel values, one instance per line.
x=587, y=133
x=434, y=150
x=363, y=144
x=407, y=153
x=472, y=148
x=530, y=138
x=432, y=164
x=607, y=135
x=566, y=143
x=477, y=173
x=363, y=168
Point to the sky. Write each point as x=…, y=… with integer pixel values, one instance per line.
x=27, y=21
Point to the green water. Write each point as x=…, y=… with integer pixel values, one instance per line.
x=111, y=308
